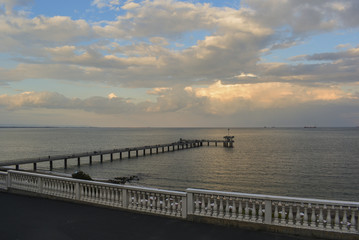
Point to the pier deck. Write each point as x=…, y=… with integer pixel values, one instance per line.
x=123, y=152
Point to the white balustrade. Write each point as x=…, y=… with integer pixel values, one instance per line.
x=3, y=180
x=156, y=201
x=323, y=215
x=171, y=203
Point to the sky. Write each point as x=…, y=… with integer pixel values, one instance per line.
x=167, y=63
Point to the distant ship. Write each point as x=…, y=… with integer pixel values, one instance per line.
x=310, y=126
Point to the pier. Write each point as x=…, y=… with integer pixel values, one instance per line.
x=182, y=144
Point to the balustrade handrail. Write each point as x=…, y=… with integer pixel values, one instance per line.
x=305, y=213
x=104, y=184
x=273, y=197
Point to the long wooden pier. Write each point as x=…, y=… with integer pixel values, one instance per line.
x=123, y=152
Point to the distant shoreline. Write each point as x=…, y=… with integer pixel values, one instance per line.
x=297, y=127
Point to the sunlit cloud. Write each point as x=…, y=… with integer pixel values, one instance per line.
x=187, y=56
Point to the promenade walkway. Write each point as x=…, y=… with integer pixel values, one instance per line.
x=26, y=218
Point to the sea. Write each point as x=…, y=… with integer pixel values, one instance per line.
x=320, y=163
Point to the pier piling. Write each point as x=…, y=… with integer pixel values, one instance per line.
x=171, y=147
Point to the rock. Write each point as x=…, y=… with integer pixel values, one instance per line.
x=123, y=180
x=81, y=175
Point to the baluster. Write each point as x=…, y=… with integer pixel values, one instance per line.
x=148, y=202
x=246, y=211
x=168, y=210
x=113, y=196
x=88, y=192
x=227, y=209
x=69, y=189
x=313, y=218
x=254, y=211
x=83, y=192
x=321, y=220
x=97, y=194
x=234, y=209
x=156, y=203
x=215, y=207
x=61, y=188
x=290, y=215
x=260, y=212
x=305, y=217
x=140, y=201
x=240, y=210
x=220, y=214
x=58, y=188
x=282, y=219
x=329, y=219
x=101, y=194
x=203, y=210
x=352, y=221
x=130, y=200
x=137, y=201
x=173, y=206
x=276, y=214
x=209, y=209
x=108, y=196
x=94, y=193
x=297, y=216
x=196, y=206
x=120, y=197
x=144, y=202
x=345, y=219
x=53, y=188
x=161, y=204
x=336, y=219
x=91, y=193
x=114, y=199
x=65, y=189
x=179, y=207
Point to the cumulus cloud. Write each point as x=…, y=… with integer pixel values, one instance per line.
x=190, y=56
x=112, y=4
x=53, y=100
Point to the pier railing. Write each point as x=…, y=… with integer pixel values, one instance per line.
x=301, y=213
x=121, y=152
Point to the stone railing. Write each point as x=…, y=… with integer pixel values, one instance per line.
x=151, y=200
x=3, y=180
x=266, y=210
x=337, y=216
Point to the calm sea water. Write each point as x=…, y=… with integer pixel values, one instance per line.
x=315, y=163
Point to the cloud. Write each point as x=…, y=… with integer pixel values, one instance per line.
x=10, y=4
x=352, y=53
x=193, y=58
x=130, y=5
x=53, y=100
x=214, y=99
x=53, y=47
x=304, y=17
x=111, y=4
x=231, y=98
